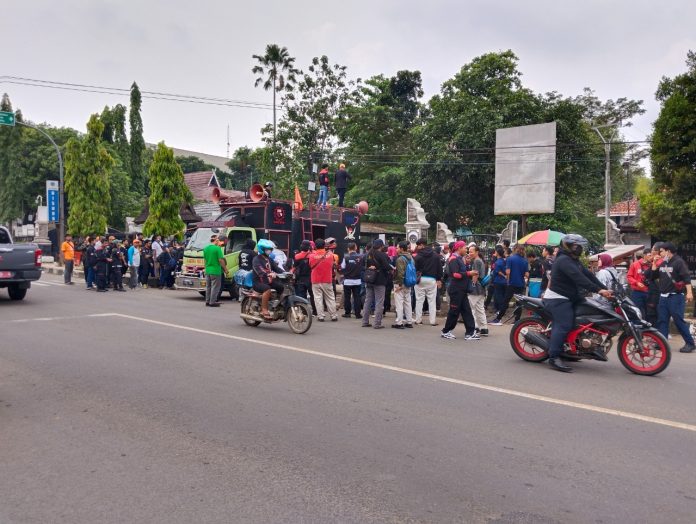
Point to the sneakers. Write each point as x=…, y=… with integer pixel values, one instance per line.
x=472, y=336
x=410, y=326
x=448, y=335
x=688, y=348
x=483, y=332
x=495, y=322
x=398, y=326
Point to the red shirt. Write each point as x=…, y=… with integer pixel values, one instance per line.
x=321, y=263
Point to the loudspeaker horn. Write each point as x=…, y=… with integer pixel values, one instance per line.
x=256, y=193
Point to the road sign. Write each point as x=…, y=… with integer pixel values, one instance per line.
x=52, y=200
x=7, y=118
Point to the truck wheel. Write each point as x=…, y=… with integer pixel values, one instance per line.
x=16, y=293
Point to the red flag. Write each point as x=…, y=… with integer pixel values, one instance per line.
x=298, y=199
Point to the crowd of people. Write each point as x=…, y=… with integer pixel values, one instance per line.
x=659, y=281
x=109, y=263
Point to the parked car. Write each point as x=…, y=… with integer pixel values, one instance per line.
x=20, y=265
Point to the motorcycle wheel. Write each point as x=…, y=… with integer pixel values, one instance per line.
x=299, y=318
x=654, y=360
x=520, y=346
x=247, y=310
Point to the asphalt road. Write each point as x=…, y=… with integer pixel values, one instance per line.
x=148, y=407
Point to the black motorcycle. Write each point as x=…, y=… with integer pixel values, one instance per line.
x=642, y=349
x=297, y=311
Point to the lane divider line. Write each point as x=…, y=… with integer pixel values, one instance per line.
x=422, y=374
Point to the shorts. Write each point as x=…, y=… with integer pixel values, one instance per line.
x=262, y=287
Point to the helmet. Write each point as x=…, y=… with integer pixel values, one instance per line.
x=574, y=244
x=268, y=185
x=264, y=245
x=330, y=243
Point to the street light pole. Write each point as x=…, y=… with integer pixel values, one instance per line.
x=61, y=199
x=607, y=179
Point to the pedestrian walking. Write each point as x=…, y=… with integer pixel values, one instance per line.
x=215, y=266
x=457, y=289
x=67, y=255
x=342, y=178
x=404, y=281
x=674, y=282
x=376, y=263
x=477, y=293
x=321, y=265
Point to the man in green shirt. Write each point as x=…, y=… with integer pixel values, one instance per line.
x=215, y=265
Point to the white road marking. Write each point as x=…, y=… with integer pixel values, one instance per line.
x=50, y=319
x=422, y=374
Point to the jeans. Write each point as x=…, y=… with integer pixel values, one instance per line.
x=640, y=298
x=459, y=305
x=353, y=291
x=323, y=195
x=213, y=285
x=374, y=294
x=509, y=292
x=133, y=280
x=303, y=289
x=673, y=306
x=563, y=315
x=67, y=272
x=402, y=301
x=499, y=297
x=90, y=276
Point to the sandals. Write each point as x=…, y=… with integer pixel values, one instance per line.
x=267, y=316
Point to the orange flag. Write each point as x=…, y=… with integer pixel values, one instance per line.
x=298, y=199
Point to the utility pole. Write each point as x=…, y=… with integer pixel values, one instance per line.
x=61, y=193
x=607, y=176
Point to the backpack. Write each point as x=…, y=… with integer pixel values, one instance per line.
x=410, y=276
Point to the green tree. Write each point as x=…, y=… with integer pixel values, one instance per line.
x=88, y=168
x=137, y=142
x=167, y=194
x=277, y=72
x=668, y=210
x=243, y=168
x=376, y=132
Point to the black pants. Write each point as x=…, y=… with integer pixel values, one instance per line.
x=303, y=289
x=563, y=315
x=117, y=277
x=510, y=291
x=341, y=195
x=387, y=295
x=353, y=291
x=459, y=305
x=489, y=296
x=102, y=281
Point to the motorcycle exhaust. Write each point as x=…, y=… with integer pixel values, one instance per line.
x=252, y=317
x=536, y=339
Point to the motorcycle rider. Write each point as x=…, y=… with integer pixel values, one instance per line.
x=568, y=277
x=265, y=271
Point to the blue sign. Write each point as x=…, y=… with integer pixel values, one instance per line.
x=52, y=200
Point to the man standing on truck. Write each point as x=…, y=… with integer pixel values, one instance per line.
x=342, y=178
x=67, y=254
x=215, y=265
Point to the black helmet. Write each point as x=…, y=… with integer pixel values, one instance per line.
x=574, y=244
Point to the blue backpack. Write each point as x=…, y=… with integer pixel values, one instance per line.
x=410, y=277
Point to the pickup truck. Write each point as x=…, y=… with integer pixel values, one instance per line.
x=20, y=265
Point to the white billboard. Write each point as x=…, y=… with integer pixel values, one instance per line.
x=525, y=170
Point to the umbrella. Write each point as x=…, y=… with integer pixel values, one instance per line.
x=542, y=238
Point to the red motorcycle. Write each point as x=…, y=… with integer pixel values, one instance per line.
x=642, y=349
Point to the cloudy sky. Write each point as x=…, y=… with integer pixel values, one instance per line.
x=204, y=48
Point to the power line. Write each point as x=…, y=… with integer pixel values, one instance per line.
x=116, y=91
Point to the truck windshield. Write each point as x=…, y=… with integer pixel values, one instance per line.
x=201, y=238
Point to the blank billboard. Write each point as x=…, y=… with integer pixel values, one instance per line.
x=525, y=170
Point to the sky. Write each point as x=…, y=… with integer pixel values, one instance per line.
x=204, y=48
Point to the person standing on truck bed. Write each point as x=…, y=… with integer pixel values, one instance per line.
x=67, y=254
x=215, y=265
x=323, y=198
x=342, y=178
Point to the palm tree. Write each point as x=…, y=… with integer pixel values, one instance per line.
x=271, y=67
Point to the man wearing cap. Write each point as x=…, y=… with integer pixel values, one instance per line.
x=674, y=281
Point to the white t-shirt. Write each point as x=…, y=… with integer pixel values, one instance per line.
x=157, y=248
